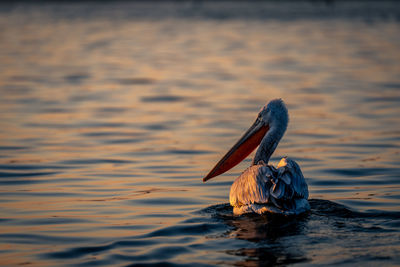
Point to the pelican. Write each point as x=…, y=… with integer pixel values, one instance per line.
x=262, y=188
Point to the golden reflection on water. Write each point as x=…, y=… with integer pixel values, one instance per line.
x=122, y=119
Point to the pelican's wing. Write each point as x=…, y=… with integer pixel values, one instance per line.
x=263, y=189
x=298, y=183
x=252, y=186
x=288, y=185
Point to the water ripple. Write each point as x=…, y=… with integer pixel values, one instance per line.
x=16, y=238
x=192, y=229
x=136, y=81
x=32, y=167
x=163, y=98
x=166, y=201
x=94, y=161
x=25, y=174
x=359, y=172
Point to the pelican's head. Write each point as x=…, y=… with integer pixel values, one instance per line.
x=271, y=116
x=274, y=113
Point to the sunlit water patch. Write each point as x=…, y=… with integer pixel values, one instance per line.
x=110, y=115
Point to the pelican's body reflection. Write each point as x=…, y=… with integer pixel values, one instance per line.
x=265, y=228
x=268, y=234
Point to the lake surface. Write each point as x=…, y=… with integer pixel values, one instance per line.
x=111, y=114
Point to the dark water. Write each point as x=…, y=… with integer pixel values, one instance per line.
x=111, y=113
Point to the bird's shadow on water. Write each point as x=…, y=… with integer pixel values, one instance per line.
x=277, y=239
x=264, y=234
x=256, y=228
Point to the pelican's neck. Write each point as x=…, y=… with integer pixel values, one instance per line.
x=271, y=140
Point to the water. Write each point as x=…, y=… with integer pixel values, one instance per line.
x=111, y=114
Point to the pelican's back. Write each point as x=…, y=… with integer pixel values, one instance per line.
x=262, y=189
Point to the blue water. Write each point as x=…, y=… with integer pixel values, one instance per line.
x=112, y=112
